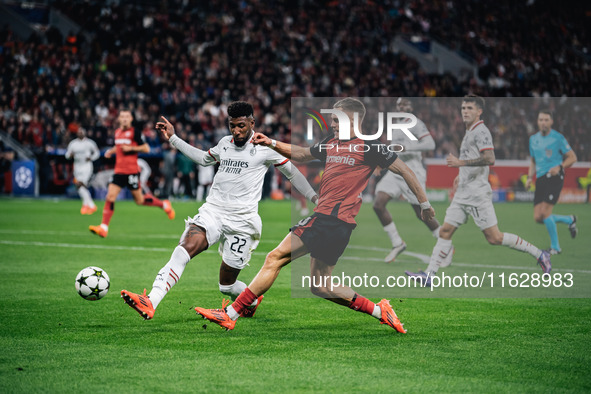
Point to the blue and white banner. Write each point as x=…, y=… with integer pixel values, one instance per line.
x=23, y=178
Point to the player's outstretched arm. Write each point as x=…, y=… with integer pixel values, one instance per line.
x=487, y=158
x=399, y=167
x=299, y=181
x=294, y=152
x=426, y=143
x=195, y=154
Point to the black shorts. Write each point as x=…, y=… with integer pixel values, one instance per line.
x=131, y=181
x=548, y=188
x=326, y=237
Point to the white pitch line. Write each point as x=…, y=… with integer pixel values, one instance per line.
x=422, y=257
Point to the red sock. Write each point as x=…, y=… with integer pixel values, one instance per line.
x=108, y=212
x=362, y=304
x=245, y=299
x=152, y=201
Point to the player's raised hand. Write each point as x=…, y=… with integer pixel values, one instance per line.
x=165, y=127
x=427, y=214
x=261, y=139
x=453, y=161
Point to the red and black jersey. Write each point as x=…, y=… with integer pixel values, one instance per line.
x=348, y=166
x=126, y=163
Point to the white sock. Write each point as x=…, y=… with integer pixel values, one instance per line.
x=85, y=196
x=436, y=232
x=440, y=251
x=392, y=232
x=515, y=242
x=232, y=314
x=105, y=227
x=169, y=275
x=233, y=291
x=377, y=312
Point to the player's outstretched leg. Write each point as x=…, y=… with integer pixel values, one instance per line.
x=234, y=291
x=140, y=302
x=515, y=242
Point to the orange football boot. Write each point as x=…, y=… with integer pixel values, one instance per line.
x=389, y=316
x=218, y=316
x=140, y=302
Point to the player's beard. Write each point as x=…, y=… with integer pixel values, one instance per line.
x=241, y=143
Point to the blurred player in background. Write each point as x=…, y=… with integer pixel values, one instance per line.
x=473, y=196
x=550, y=156
x=230, y=213
x=393, y=186
x=84, y=151
x=145, y=173
x=128, y=144
x=326, y=233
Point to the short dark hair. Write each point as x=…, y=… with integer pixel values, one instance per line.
x=547, y=112
x=472, y=98
x=238, y=109
x=351, y=105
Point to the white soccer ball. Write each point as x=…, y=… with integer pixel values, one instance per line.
x=92, y=283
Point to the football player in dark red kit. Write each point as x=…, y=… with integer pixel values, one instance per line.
x=128, y=144
x=348, y=166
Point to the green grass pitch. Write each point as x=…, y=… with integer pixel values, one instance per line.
x=54, y=341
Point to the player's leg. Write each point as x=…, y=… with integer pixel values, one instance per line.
x=240, y=237
x=543, y=214
x=380, y=208
x=290, y=248
x=232, y=287
x=486, y=219
x=443, y=250
x=323, y=286
x=112, y=192
x=148, y=199
x=546, y=196
x=193, y=241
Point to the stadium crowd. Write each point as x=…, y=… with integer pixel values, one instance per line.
x=188, y=59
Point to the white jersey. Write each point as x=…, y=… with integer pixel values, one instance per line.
x=473, y=185
x=413, y=159
x=237, y=186
x=81, y=150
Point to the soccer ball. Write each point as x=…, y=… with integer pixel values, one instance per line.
x=92, y=283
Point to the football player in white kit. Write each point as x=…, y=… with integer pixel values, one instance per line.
x=393, y=186
x=145, y=173
x=84, y=151
x=230, y=213
x=473, y=196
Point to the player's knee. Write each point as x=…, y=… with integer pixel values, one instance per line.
x=496, y=239
x=539, y=218
x=379, y=206
x=445, y=232
x=273, y=258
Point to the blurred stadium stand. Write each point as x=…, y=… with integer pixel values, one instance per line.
x=69, y=64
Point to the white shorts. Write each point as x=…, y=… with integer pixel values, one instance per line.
x=238, y=235
x=483, y=214
x=395, y=185
x=83, y=173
